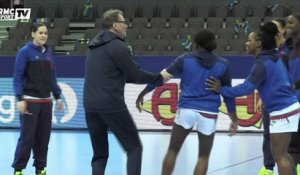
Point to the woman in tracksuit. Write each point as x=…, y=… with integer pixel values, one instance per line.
x=34, y=81
x=196, y=105
x=269, y=76
x=291, y=56
x=269, y=163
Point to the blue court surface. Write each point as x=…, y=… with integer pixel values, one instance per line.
x=70, y=153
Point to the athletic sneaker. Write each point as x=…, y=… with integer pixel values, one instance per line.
x=41, y=172
x=18, y=173
x=265, y=171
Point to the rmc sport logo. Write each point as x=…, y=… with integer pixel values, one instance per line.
x=163, y=106
x=14, y=13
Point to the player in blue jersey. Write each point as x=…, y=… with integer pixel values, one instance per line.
x=290, y=53
x=34, y=82
x=269, y=76
x=196, y=107
x=269, y=163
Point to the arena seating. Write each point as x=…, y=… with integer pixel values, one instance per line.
x=155, y=27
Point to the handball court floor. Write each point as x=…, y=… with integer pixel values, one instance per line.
x=70, y=153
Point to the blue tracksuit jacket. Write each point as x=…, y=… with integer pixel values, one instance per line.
x=269, y=76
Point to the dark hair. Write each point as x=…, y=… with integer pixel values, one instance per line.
x=109, y=17
x=280, y=21
x=35, y=26
x=205, y=39
x=267, y=35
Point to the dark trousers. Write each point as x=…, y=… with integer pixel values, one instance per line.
x=123, y=127
x=269, y=162
x=35, y=129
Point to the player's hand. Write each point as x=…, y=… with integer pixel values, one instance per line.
x=233, y=128
x=166, y=75
x=60, y=104
x=22, y=106
x=139, y=102
x=259, y=106
x=213, y=84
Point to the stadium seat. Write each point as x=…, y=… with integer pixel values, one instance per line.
x=203, y=9
x=69, y=11
x=258, y=11
x=18, y=33
x=221, y=10
x=50, y=11
x=35, y=10
x=147, y=33
x=158, y=23
x=184, y=10
x=139, y=23
x=165, y=10
x=294, y=9
x=138, y=49
x=9, y=47
x=280, y=11
x=112, y=4
x=253, y=23
x=214, y=22
x=196, y=22
x=62, y=23
x=168, y=34
x=188, y=31
x=80, y=49
x=131, y=10
x=149, y=10
x=133, y=34
x=231, y=22
x=23, y=42
x=241, y=10
x=178, y=23
x=225, y=33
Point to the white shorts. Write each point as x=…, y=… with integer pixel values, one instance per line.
x=285, y=120
x=288, y=124
x=188, y=118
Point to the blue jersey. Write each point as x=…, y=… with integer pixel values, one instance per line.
x=269, y=76
x=34, y=73
x=194, y=70
x=291, y=56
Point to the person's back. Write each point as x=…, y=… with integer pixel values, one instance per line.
x=197, y=68
x=104, y=81
x=197, y=107
x=109, y=65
